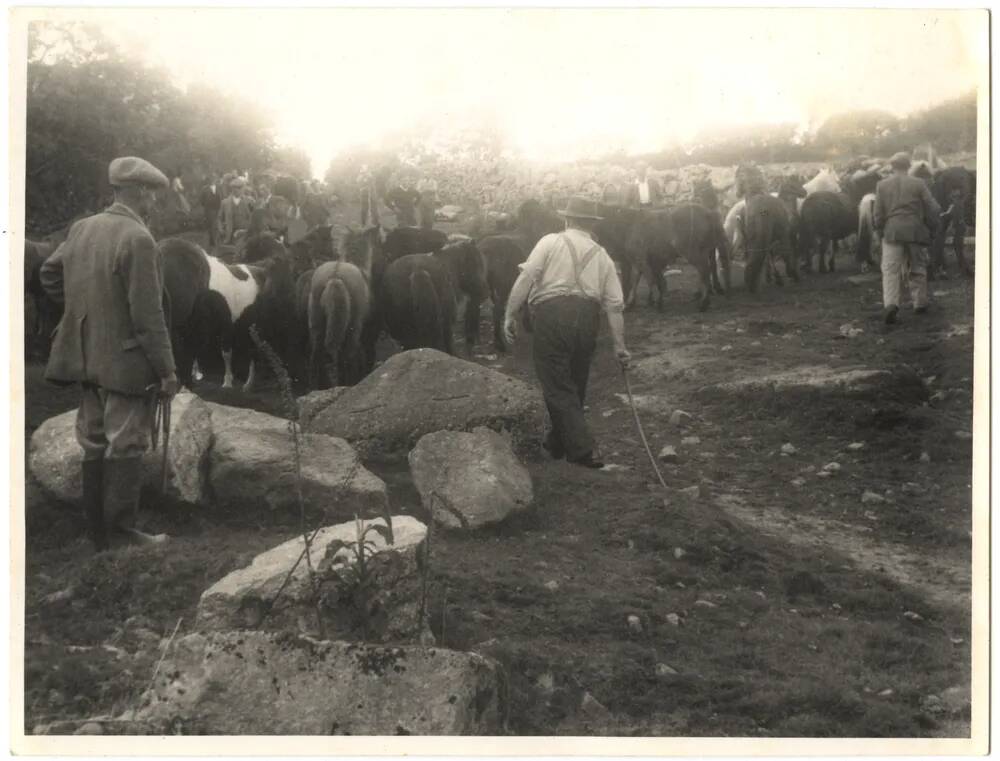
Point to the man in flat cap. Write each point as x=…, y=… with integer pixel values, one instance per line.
x=236, y=209
x=113, y=340
x=906, y=218
x=567, y=280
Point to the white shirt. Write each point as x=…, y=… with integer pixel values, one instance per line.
x=644, y=191
x=550, y=265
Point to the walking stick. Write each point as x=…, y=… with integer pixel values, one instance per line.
x=638, y=425
x=165, y=404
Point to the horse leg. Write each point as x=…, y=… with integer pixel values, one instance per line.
x=705, y=288
x=499, y=312
x=472, y=322
x=834, y=245
x=958, y=238
x=778, y=279
x=251, y=377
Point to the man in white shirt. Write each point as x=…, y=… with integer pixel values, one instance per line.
x=644, y=192
x=567, y=280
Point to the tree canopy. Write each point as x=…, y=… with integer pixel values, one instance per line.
x=87, y=102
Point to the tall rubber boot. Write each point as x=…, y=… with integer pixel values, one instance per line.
x=122, y=487
x=93, y=503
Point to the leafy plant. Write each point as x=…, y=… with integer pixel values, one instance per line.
x=357, y=573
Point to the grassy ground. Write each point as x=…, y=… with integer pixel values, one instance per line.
x=766, y=608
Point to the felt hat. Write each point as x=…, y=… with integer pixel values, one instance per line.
x=131, y=170
x=580, y=207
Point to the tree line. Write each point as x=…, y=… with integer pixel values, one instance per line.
x=88, y=102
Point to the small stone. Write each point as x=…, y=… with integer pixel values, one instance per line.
x=680, y=585
x=705, y=604
x=832, y=467
x=546, y=682
x=788, y=449
x=552, y=586
x=836, y=606
x=60, y=596
x=924, y=457
x=679, y=552
x=478, y=615
x=886, y=693
x=933, y=704
x=744, y=625
x=727, y=347
x=631, y=544
x=680, y=417
x=871, y=498
x=690, y=441
x=957, y=640
x=673, y=619
x=755, y=343
x=824, y=474
x=634, y=624
x=90, y=728
x=912, y=616
x=668, y=454
x=856, y=446
x=662, y=669
x=608, y=413
x=690, y=491
x=798, y=482
x=964, y=435
x=592, y=708
x=911, y=488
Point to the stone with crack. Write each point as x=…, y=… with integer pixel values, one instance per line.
x=469, y=480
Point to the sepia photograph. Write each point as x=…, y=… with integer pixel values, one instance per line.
x=468, y=380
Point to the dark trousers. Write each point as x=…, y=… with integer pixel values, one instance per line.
x=212, y=223
x=565, y=335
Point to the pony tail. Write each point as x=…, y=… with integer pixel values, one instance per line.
x=336, y=303
x=722, y=246
x=426, y=310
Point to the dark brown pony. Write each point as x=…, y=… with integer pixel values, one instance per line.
x=691, y=231
x=418, y=302
x=467, y=268
x=767, y=229
x=828, y=218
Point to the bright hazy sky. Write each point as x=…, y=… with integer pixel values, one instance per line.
x=560, y=81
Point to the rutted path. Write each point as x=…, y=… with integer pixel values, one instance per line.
x=944, y=582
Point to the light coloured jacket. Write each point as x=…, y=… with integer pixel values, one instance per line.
x=108, y=274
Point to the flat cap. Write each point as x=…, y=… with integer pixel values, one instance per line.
x=131, y=170
x=900, y=159
x=237, y=182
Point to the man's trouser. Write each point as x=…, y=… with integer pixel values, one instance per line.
x=212, y=223
x=565, y=335
x=115, y=431
x=426, y=213
x=899, y=261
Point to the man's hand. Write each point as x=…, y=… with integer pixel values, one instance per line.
x=510, y=329
x=169, y=386
x=623, y=357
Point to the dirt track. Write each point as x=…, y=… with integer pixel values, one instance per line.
x=804, y=632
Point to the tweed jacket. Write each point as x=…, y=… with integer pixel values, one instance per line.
x=236, y=217
x=905, y=210
x=108, y=274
